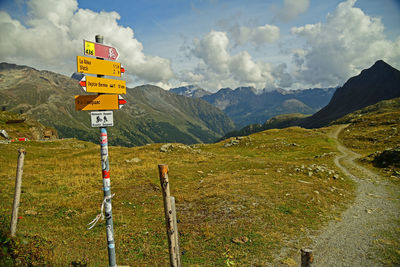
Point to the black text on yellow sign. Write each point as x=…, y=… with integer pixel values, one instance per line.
x=96, y=102
x=102, y=85
x=99, y=67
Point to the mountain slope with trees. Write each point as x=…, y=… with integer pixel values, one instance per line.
x=151, y=114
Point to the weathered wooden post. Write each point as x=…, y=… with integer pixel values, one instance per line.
x=176, y=232
x=163, y=173
x=307, y=257
x=17, y=194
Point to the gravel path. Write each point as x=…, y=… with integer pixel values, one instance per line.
x=350, y=242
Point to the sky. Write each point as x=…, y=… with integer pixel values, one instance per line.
x=267, y=44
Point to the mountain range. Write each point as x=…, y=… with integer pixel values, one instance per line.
x=379, y=82
x=189, y=114
x=246, y=105
x=151, y=115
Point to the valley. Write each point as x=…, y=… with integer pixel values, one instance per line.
x=274, y=189
x=246, y=105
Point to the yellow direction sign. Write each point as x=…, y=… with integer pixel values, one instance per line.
x=101, y=85
x=98, y=102
x=98, y=66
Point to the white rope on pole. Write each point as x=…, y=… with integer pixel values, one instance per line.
x=101, y=215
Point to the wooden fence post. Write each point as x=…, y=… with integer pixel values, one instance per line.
x=17, y=194
x=176, y=232
x=307, y=257
x=163, y=173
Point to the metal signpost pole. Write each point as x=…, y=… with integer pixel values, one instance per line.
x=107, y=187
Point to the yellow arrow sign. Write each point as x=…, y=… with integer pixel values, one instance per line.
x=98, y=102
x=101, y=85
x=97, y=66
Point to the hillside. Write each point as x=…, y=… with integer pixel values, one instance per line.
x=22, y=126
x=151, y=114
x=245, y=201
x=277, y=122
x=245, y=105
x=373, y=129
x=160, y=116
x=379, y=82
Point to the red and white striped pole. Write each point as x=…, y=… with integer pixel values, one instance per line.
x=105, y=168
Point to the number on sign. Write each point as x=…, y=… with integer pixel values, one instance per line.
x=89, y=48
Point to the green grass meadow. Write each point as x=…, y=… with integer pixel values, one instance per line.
x=273, y=187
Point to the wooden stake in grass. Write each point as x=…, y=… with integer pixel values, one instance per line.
x=176, y=232
x=17, y=194
x=163, y=173
x=307, y=257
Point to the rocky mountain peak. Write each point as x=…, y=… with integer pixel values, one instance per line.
x=379, y=82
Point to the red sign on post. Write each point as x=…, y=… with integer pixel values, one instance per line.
x=100, y=50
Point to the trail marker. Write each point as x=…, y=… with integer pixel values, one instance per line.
x=102, y=85
x=121, y=101
x=98, y=66
x=100, y=50
x=102, y=118
x=99, y=102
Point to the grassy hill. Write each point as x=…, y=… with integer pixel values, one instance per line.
x=272, y=187
x=373, y=130
x=278, y=122
x=151, y=115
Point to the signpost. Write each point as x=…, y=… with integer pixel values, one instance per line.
x=102, y=85
x=100, y=50
x=101, y=116
x=99, y=102
x=98, y=66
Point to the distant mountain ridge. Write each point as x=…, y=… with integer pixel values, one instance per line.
x=378, y=83
x=151, y=114
x=246, y=105
x=190, y=91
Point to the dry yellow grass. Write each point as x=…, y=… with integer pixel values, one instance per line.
x=273, y=188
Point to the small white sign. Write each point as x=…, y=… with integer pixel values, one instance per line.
x=102, y=118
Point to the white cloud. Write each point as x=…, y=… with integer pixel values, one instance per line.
x=292, y=8
x=258, y=35
x=192, y=77
x=346, y=43
x=53, y=35
x=218, y=68
x=212, y=49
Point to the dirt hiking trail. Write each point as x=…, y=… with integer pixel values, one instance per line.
x=351, y=241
